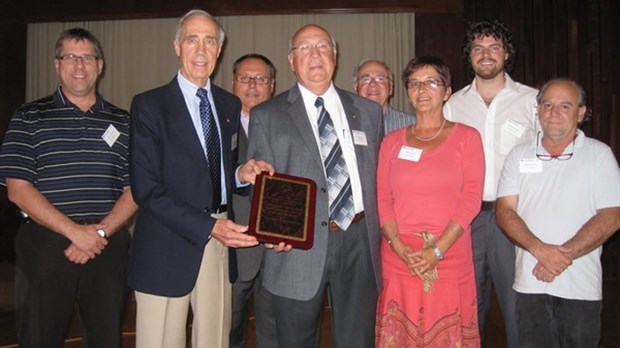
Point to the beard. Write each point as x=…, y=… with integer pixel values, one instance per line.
x=488, y=72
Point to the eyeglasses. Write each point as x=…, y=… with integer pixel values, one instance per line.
x=431, y=83
x=73, y=58
x=306, y=48
x=366, y=80
x=258, y=79
x=560, y=157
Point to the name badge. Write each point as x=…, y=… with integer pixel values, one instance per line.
x=110, y=135
x=359, y=138
x=514, y=128
x=233, y=142
x=530, y=165
x=409, y=153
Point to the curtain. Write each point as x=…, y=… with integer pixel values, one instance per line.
x=139, y=54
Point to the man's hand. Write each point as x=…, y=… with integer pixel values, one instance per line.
x=553, y=258
x=250, y=169
x=279, y=247
x=86, y=238
x=74, y=254
x=233, y=235
x=542, y=274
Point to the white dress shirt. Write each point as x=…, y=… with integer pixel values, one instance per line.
x=509, y=120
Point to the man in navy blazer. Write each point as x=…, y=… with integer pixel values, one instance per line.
x=344, y=261
x=179, y=253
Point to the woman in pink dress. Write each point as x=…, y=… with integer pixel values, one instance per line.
x=429, y=188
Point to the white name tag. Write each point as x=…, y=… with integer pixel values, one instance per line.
x=359, y=138
x=233, y=142
x=110, y=135
x=514, y=128
x=409, y=153
x=530, y=165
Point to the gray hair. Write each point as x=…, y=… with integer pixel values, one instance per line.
x=580, y=91
x=196, y=12
x=390, y=74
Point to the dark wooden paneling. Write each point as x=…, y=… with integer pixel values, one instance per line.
x=441, y=35
x=12, y=94
x=578, y=44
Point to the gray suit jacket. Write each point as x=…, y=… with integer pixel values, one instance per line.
x=248, y=259
x=280, y=133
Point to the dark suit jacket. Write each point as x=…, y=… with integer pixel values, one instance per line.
x=281, y=133
x=170, y=183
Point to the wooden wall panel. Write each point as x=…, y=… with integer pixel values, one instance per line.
x=12, y=94
x=441, y=35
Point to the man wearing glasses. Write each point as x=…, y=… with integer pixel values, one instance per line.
x=318, y=131
x=65, y=162
x=373, y=79
x=503, y=111
x=559, y=201
x=253, y=83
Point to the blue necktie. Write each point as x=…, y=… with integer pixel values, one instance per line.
x=341, y=208
x=212, y=144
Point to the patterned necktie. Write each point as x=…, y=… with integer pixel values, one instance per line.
x=212, y=143
x=341, y=208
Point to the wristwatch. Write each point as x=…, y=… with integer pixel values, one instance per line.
x=438, y=253
x=102, y=233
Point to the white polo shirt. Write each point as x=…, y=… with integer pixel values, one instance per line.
x=556, y=198
x=509, y=120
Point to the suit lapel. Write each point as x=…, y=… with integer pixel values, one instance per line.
x=354, y=119
x=181, y=123
x=297, y=112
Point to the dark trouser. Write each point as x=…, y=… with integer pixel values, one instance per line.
x=547, y=321
x=266, y=336
x=47, y=285
x=494, y=264
x=352, y=292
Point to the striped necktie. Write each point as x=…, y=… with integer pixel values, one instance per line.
x=212, y=144
x=341, y=208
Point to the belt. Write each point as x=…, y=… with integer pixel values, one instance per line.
x=487, y=206
x=222, y=209
x=333, y=226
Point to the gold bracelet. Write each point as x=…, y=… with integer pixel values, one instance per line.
x=389, y=240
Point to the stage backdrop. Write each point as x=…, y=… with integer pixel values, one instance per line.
x=139, y=54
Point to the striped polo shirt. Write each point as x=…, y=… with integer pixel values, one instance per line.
x=64, y=153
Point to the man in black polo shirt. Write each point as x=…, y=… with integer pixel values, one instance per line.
x=64, y=161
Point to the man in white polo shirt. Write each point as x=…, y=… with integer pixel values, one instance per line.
x=559, y=201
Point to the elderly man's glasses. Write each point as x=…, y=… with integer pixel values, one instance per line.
x=560, y=157
x=258, y=79
x=305, y=48
x=74, y=58
x=366, y=80
x=430, y=83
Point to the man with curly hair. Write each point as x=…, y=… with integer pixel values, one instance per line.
x=503, y=111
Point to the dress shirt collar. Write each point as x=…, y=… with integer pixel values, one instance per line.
x=509, y=85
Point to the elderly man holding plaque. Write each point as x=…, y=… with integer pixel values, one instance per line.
x=330, y=136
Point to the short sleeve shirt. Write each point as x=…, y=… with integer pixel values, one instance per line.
x=78, y=160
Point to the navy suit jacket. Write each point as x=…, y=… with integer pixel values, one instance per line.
x=170, y=183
